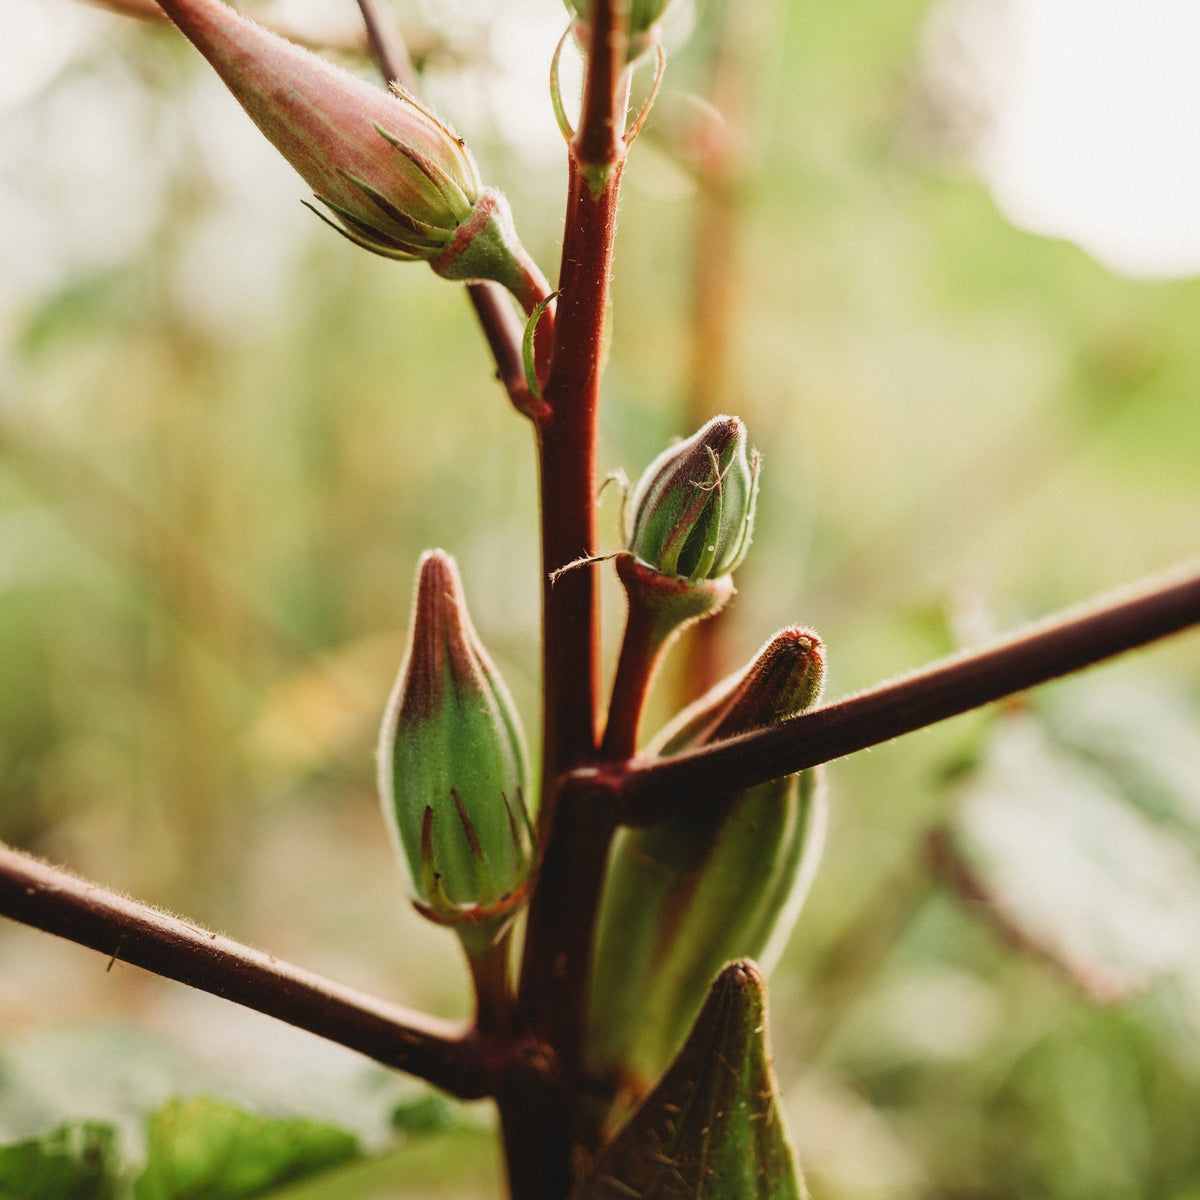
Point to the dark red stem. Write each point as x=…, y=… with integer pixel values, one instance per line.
x=388, y=46
x=1067, y=642
x=540, y=1128
x=489, y=977
x=647, y=632
x=451, y=1056
x=492, y=308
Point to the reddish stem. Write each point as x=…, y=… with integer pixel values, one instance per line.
x=540, y=1127
x=388, y=46
x=646, y=633
x=493, y=997
x=1067, y=642
x=492, y=308
x=660, y=606
x=599, y=146
x=453, y=1057
x=552, y=996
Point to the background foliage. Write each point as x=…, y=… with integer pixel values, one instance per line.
x=225, y=436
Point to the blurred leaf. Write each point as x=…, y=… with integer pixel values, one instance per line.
x=427, y=1114
x=80, y=306
x=711, y=1129
x=1144, y=736
x=1071, y=869
x=204, y=1148
x=458, y=1164
x=76, y=1161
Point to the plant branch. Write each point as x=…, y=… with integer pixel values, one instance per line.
x=387, y=46
x=599, y=141
x=503, y=332
x=492, y=308
x=1067, y=642
x=448, y=1055
x=567, y=457
x=552, y=997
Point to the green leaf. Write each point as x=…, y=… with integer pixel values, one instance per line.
x=203, y=1148
x=430, y=1113
x=1069, y=867
x=76, y=1161
x=711, y=1129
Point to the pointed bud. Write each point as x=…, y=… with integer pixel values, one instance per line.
x=397, y=180
x=693, y=508
x=452, y=767
x=721, y=881
x=784, y=678
x=712, y=1127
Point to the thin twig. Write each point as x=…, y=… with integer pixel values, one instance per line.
x=387, y=46
x=504, y=333
x=449, y=1055
x=492, y=308
x=1059, y=645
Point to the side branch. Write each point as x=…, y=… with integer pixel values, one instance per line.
x=492, y=308
x=1057, y=646
x=448, y=1055
x=387, y=46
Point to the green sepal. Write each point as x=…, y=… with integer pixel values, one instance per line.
x=531, y=379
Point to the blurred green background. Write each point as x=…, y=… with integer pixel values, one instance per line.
x=226, y=435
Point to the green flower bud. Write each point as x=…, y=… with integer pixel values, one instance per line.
x=452, y=768
x=693, y=508
x=721, y=881
x=397, y=180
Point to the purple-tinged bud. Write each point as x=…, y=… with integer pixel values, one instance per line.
x=452, y=768
x=398, y=181
x=784, y=678
x=693, y=508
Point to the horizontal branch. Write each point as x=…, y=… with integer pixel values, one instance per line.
x=449, y=1055
x=649, y=790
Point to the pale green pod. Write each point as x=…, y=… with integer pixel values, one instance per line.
x=704, y=887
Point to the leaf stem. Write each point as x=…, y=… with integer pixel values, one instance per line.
x=1070, y=641
x=493, y=997
x=462, y=1061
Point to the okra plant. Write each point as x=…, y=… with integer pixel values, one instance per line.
x=619, y=898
